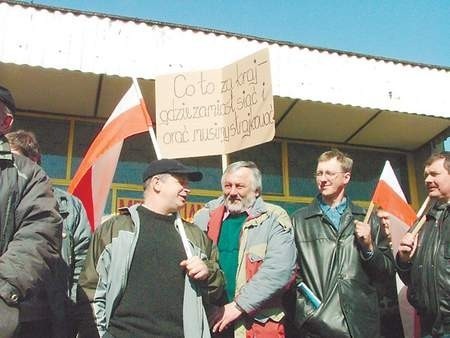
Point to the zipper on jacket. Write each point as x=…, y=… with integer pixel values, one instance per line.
x=437, y=228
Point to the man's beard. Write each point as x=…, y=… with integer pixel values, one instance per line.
x=235, y=206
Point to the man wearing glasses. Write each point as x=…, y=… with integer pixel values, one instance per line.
x=339, y=258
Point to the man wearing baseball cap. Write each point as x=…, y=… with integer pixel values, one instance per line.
x=137, y=274
x=31, y=236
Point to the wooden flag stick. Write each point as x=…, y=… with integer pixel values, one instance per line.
x=416, y=227
x=422, y=215
x=369, y=212
x=425, y=203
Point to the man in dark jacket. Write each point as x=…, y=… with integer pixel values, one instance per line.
x=62, y=290
x=424, y=260
x=30, y=228
x=339, y=259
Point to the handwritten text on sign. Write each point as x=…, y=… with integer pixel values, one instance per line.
x=217, y=111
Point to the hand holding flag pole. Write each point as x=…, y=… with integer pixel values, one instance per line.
x=369, y=212
x=422, y=215
x=178, y=221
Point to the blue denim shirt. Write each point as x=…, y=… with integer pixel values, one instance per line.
x=333, y=213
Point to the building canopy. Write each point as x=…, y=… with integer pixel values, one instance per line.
x=73, y=63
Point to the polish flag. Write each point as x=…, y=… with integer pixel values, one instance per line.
x=389, y=196
x=93, y=179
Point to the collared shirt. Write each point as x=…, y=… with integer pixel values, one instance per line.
x=333, y=213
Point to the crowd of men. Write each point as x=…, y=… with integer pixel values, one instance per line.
x=243, y=268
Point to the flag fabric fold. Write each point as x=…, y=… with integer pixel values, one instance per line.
x=93, y=179
x=389, y=196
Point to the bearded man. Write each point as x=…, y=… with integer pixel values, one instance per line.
x=256, y=253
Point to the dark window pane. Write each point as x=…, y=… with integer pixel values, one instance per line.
x=52, y=135
x=267, y=157
x=137, y=152
x=85, y=133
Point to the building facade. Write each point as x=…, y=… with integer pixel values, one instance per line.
x=68, y=69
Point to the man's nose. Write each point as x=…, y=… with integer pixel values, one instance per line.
x=322, y=178
x=233, y=190
x=186, y=188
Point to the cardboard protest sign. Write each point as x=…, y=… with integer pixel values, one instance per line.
x=217, y=111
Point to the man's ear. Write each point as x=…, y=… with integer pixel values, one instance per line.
x=6, y=123
x=347, y=177
x=155, y=183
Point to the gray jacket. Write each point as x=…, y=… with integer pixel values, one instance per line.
x=113, y=264
x=267, y=256
x=76, y=237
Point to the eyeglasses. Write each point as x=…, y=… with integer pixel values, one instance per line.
x=329, y=175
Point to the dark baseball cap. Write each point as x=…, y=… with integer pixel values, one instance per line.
x=7, y=99
x=168, y=166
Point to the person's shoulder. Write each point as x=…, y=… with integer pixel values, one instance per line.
x=62, y=194
x=279, y=214
x=356, y=209
x=193, y=227
x=113, y=225
x=194, y=232
x=275, y=209
x=27, y=169
x=304, y=211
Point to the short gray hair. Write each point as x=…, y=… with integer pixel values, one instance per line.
x=235, y=166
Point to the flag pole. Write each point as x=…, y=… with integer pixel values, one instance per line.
x=150, y=129
x=155, y=143
x=224, y=162
x=178, y=221
x=423, y=207
x=422, y=215
x=369, y=212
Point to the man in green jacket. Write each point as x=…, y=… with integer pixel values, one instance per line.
x=137, y=274
x=339, y=257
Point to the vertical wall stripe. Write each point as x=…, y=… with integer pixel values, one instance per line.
x=114, y=200
x=70, y=149
x=412, y=181
x=285, y=168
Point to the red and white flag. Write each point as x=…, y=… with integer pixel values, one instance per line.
x=93, y=179
x=390, y=197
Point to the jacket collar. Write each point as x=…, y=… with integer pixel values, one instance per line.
x=315, y=210
x=5, y=149
x=437, y=210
